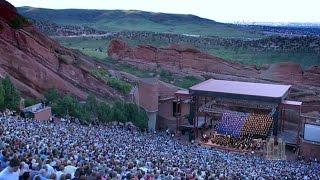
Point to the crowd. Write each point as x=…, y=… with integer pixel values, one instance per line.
x=43, y=150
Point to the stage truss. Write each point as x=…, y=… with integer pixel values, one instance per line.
x=218, y=105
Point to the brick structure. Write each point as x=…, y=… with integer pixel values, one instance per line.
x=157, y=98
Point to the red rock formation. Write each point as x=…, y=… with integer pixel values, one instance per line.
x=36, y=63
x=7, y=11
x=284, y=71
x=312, y=75
x=306, y=83
x=178, y=56
x=187, y=57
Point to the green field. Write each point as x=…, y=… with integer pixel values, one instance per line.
x=88, y=46
x=265, y=57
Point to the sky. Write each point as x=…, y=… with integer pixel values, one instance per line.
x=218, y=10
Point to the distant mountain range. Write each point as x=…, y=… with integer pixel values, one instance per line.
x=120, y=20
x=133, y=20
x=281, y=24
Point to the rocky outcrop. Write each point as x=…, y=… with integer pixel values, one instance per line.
x=176, y=58
x=283, y=71
x=7, y=11
x=36, y=63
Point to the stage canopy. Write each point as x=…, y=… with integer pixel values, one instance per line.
x=241, y=90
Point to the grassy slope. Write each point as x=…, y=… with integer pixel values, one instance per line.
x=115, y=20
x=259, y=58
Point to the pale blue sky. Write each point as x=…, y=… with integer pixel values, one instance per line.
x=219, y=10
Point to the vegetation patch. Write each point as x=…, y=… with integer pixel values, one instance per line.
x=18, y=22
x=29, y=102
x=93, y=111
x=135, y=71
x=166, y=76
x=100, y=74
x=119, y=85
x=9, y=95
x=187, y=82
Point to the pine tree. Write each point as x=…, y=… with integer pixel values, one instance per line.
x=2, y=94
x=11, y=95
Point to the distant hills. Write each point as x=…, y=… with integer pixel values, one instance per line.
x=120, y=20
x=91, y=30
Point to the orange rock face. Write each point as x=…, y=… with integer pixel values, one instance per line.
x=36, y=63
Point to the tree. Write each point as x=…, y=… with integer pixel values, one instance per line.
x=29, y=102
x=104, y=112
x=136, y=115
x=66, y=106
x=84, y=115
x=91, y=103
x=119, y=112
x=11, y=95
x=2, y=94
x=52, y=96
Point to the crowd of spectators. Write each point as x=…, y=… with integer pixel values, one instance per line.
x=44, y=150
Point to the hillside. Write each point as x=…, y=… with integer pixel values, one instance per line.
x=118, y=20
x=36, y=63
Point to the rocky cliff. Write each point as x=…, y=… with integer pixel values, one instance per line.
x=306, y=83
x=36, y=63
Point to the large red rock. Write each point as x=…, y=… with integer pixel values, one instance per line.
x=177, y=56
x=37, y=63
x=284, y=71
x=7, y=11
x=312, y=75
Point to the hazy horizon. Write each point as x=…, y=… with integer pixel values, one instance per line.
x=273, y=11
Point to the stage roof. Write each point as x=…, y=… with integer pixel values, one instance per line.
x=241, y=90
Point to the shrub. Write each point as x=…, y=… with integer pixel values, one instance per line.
x=119, y=85
x=136, y=115
x=2, y=94
x=166, y=76
x=29, y=102
x=99, y=73
x=188, y=81
x=51, y=96
x=18, y=22
x=104, y=113
x=93, y=110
